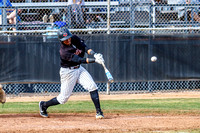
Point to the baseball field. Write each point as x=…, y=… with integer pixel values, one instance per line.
x=125, y=113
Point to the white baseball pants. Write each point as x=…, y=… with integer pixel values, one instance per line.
x=69, y=78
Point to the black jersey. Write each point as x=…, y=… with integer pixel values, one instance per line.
x=70, y=55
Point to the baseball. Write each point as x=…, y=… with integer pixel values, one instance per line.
x=153, y=58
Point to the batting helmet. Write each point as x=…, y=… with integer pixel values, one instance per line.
x=64, y=34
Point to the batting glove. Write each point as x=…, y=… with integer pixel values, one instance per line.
x=98, y=58
x=98, y=55
x=99, y=61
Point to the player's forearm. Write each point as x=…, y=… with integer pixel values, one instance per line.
x=90, y=52
x=87, y=60
x=78, y=59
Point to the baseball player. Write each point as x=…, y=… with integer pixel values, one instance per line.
x=72, y=52
x=2, y=95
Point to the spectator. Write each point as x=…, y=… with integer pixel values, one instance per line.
x=55, y=14
x=11, y=15
x=161, y=1
x=8, y=4
x=77, y=12
x=190, y=12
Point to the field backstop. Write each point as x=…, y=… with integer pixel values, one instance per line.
x=127, y=33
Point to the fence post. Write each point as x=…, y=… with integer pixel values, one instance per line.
x=108, y=88
x=16, y=10
x=4, y=19
x=69, y=16
x=108, y=17
x=132, y=14
x=154, y=16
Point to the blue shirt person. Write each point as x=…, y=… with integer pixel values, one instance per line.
x=7, y=4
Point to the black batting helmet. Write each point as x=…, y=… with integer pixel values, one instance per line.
x=64, y=34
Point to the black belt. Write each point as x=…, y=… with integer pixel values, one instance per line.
x=74, y=67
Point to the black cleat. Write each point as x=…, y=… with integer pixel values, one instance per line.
x=99, y=115
x=43, y=111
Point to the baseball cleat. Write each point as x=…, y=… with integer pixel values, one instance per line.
x=99, y=115
x=43, y=111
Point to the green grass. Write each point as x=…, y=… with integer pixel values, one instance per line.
x=135, y=106
x=142, y=106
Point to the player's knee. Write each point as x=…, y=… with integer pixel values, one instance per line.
x=92, y=87
x=62, y=100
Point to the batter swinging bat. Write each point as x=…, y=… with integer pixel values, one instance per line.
x=108, y=74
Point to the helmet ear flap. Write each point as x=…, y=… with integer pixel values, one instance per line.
x=64, y=34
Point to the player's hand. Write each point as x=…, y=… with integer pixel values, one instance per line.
x=99, y=61
x=99, y=58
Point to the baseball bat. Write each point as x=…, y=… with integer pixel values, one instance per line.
x=108, y=74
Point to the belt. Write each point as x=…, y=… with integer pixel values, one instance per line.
x=74, y=67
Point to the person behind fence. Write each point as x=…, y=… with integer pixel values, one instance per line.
x=190, y=12
x=77, y=11
x=72, y=51
x=11, y=13
x=8, y=4
x=12, y=17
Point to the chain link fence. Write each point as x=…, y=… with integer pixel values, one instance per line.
x=124, y=17
x=47, y=89
x=132, y=16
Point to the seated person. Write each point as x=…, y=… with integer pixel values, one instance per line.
x=8, y=4
x=11, y=16
x=161, y=1
x=191, y=12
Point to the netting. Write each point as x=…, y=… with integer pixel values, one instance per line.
x=139, y=17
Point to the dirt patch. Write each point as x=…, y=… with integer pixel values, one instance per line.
x=113, y=123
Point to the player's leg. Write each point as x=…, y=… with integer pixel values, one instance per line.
x=95, y=98
x=44, y=105
x=68, y=81
x=86, y=80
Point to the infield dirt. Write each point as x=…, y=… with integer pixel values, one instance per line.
x=113, y=123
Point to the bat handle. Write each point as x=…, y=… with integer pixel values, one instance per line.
x=103, y=65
